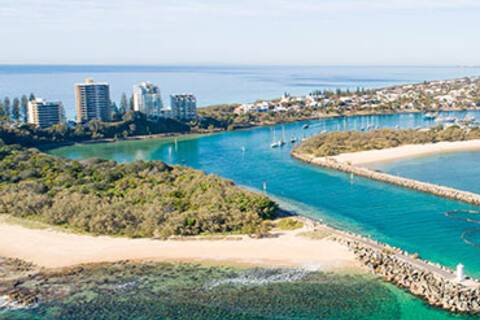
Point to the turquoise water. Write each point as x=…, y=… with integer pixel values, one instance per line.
x=401, y=217
x=213, y=84
x=404, y=218
x=411, y=220
x=163, y=291
x=458, y=170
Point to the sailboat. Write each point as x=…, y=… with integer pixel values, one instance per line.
x=282, y=141
x=275, y=143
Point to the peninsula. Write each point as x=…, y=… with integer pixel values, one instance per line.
x=349, y=151
x=181, y=215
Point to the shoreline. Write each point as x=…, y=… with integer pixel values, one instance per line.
x=331, y=250
x=55, y=249
x=243, y=127
x=406, y=152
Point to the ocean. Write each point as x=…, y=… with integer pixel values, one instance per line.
x=213, y=84
x=411, y=220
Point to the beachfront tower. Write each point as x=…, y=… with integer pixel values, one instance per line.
x=184, y=106
x=148, y=100
x=92, y=101
x=45, y=114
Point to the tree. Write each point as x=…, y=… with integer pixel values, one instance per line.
x=16, y=109
x=123, y=104
x=115, y=112
x=132, y=104
x=6, y=107
x=96, y=127
x=24, y=108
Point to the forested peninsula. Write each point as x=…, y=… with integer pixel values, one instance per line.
x=140, y=199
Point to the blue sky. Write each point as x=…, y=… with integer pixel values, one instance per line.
x=298, y=32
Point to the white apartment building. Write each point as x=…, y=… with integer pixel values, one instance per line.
x=147, y=99
x=45, y=114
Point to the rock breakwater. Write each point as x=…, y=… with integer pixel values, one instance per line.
x=433, y=283
x=425, y=187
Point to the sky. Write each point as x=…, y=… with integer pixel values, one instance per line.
x=273, y=32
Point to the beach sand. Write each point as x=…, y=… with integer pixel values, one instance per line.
x=406, y=151
x=53, y=249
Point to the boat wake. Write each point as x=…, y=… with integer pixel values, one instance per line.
x=467, y=216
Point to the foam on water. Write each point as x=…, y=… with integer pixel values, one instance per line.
x=262, y=277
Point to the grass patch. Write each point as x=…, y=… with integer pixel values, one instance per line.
x=316, y=235
x=287, y=224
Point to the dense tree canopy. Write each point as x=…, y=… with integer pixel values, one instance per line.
x=141, y=199
x=133, y=124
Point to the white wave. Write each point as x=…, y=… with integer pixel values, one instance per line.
x=7, y=304
x=262, y=277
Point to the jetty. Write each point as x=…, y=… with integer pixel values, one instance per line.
x=438, y=285
x=441, y=191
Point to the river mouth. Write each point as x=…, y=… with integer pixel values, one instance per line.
x=402, y=218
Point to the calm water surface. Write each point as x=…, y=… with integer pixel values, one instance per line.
x=408, y=219
x=404, y=218
x=458, y=170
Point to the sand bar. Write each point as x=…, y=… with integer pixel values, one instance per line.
x=406, y=151
x=52, y=249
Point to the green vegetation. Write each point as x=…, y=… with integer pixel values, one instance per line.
x=287, y=224
x=335, y=143
x=141, y=199
x=317, y=234
x=223, y=116
x=150, y=290
x=133, y=124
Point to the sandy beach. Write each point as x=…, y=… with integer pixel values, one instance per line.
x=53, y=249
x=406, y=151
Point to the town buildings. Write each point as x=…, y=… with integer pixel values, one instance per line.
x=147, y=99
x=184, y=106
x=92, y=101
x=45, y=114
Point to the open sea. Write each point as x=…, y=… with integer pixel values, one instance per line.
x=212, y=84
x=404, y=218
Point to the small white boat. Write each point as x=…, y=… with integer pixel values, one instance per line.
x=468, y=119
x=306, y=126
x=275, y=143
x=446, y=120
x=429, y=116
x=293, y=139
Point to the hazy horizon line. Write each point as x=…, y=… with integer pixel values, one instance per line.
x=231, y=65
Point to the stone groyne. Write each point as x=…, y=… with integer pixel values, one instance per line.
x=431, y=282
x=434, y=189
